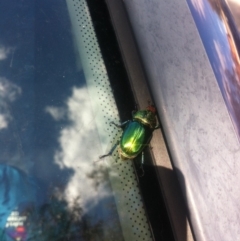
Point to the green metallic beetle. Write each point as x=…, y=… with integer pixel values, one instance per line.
x=136, y=135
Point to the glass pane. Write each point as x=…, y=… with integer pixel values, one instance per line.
x=55, y=107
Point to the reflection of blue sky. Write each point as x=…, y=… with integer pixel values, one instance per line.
x=214, y=36
x=47, y=127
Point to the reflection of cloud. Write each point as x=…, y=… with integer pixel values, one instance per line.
x=80, y=146
x=234, y=6
x=222, y=67
x=8, y=90
x=228, y=68
x=3, y=121
x=199, y=7
x=56, y=113
x=234, y=1
x=8, y=93
x=220, y=55
x=4, y=52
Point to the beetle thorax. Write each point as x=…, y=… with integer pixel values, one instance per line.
x=146, y=117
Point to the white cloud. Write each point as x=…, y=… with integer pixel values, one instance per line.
x=199, y=7
x=234, y=1
x=9, y=92
x=4, y=52
x=79, y=147
x=3, y=121
x=56, y=112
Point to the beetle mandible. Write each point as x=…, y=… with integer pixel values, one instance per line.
x=136, y=135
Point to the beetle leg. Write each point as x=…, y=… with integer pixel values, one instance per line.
x=121, y=125
x=157, y=126
x=110, y=152
x=142, y=163
x=133, y=112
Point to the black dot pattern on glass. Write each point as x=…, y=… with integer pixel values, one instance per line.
x=127, y=194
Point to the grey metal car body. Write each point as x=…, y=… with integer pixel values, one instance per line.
x=190, y=51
